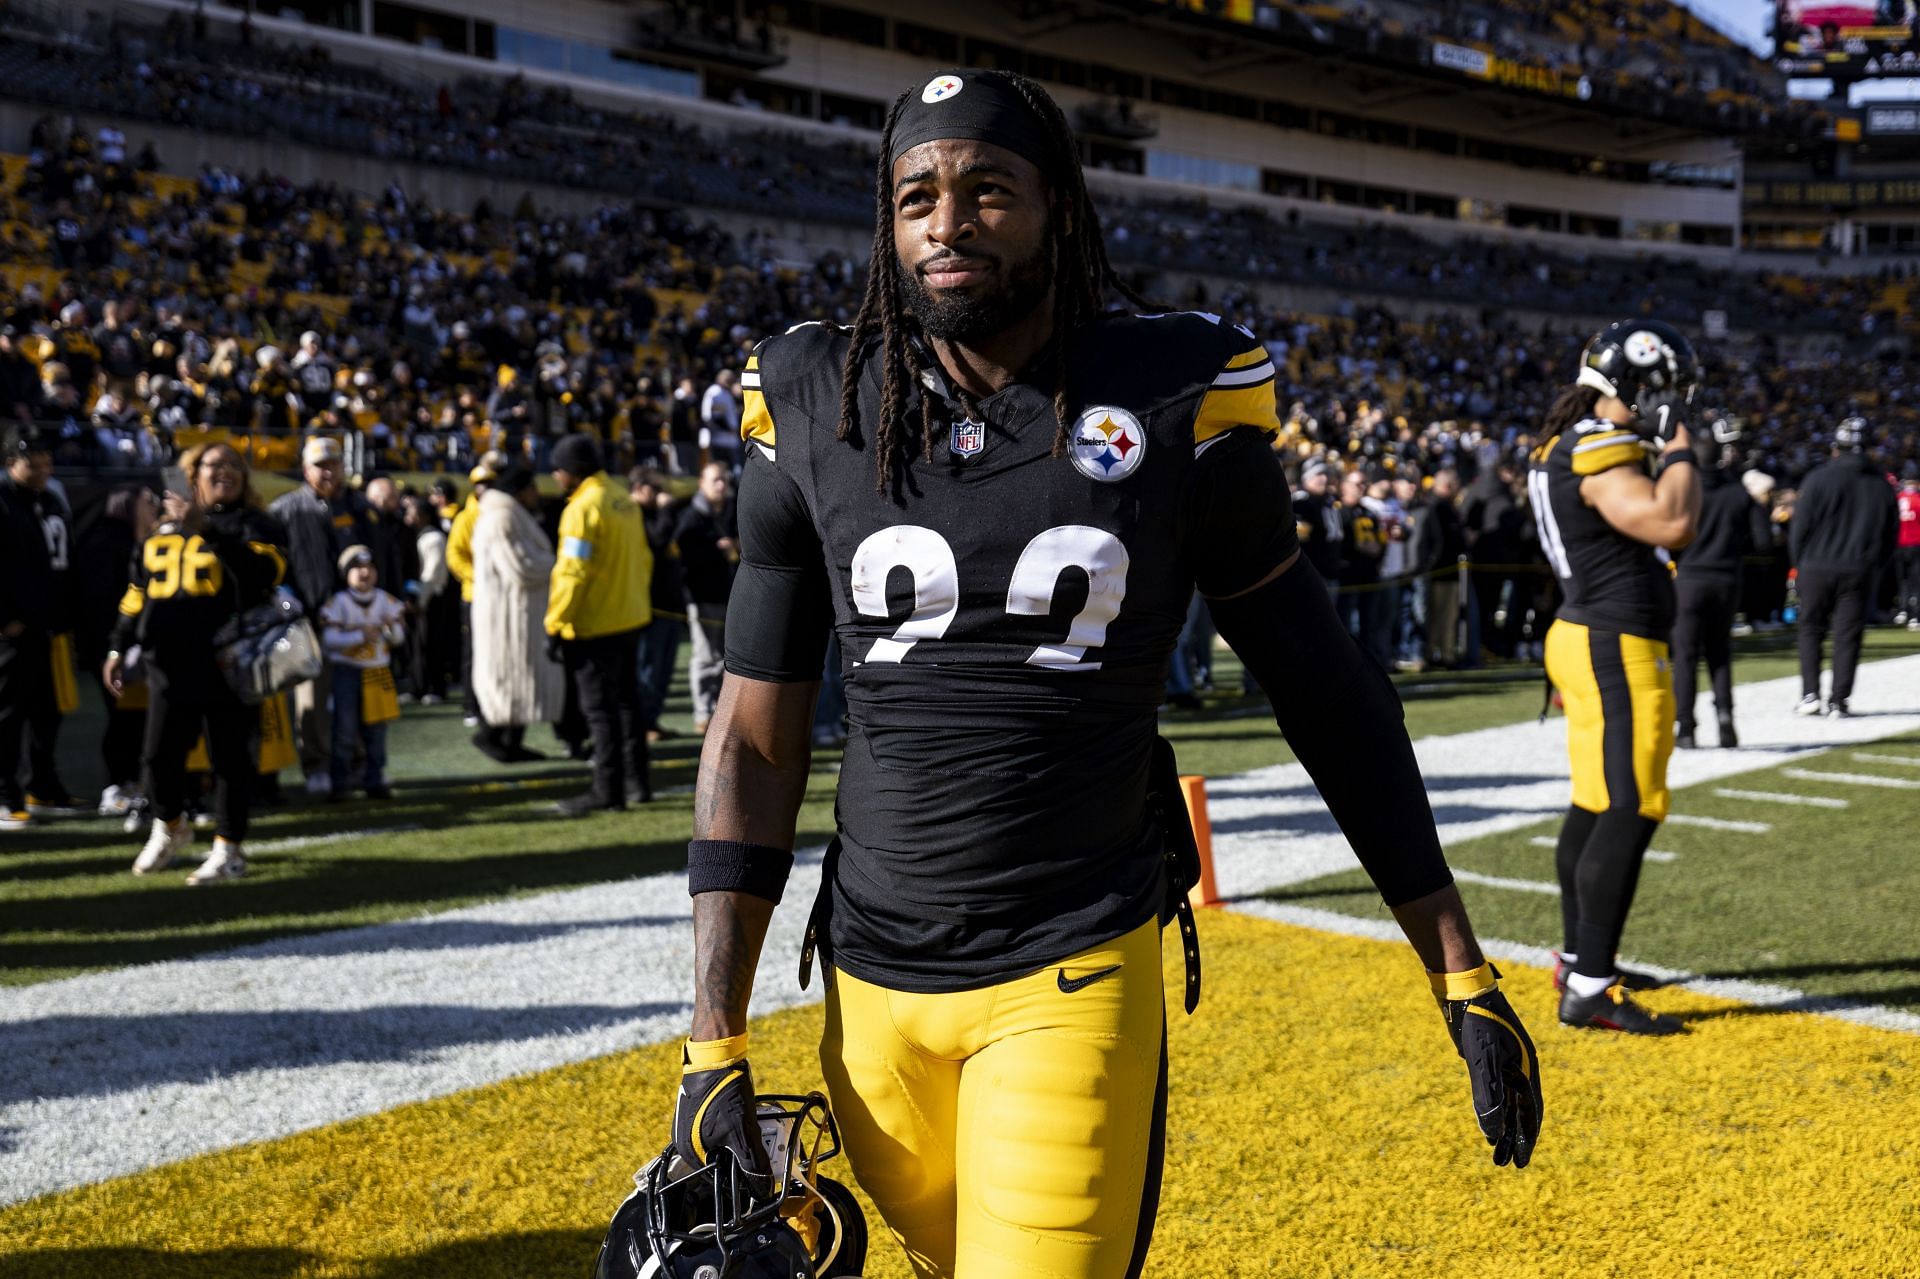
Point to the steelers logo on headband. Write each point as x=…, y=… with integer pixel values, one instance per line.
x=981, y=106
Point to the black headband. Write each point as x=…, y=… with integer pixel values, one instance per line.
x=979, y=105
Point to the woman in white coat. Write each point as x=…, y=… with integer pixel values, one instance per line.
x=516, y=682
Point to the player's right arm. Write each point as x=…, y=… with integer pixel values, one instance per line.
x=1660, y=512
x=753, y=777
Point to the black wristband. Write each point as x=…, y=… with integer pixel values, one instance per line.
x=729, y=866
x=1675, y=457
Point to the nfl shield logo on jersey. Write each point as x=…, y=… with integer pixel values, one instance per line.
x=1108, y=443
x=968, y=438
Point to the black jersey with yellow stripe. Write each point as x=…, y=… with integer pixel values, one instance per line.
x=1610, y=581
x=1004, y=616
x=187, y=581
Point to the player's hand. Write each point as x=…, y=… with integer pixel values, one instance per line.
x=1660, y=414
x=1501, y=1062
x=113, y=672
x=714, y=1110
x=555, y=653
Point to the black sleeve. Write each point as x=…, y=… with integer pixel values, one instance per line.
x=1236, y=515
x=781, y=609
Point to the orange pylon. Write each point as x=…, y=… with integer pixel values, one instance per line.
x=1194, y=790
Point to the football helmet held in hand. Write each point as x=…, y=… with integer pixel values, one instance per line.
x=705, y=1222
x=1649, y=366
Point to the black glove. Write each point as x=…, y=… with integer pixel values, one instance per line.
x=1659, y=412
x=556, y=651
x=714, y=1110
x=1501, y=1063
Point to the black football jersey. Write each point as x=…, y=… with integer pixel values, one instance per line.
x=1004, y=618
x=1610, y=581
x=187, y=583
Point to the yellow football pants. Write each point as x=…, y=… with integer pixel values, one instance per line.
x=1617, y=690
x=1012, y=1132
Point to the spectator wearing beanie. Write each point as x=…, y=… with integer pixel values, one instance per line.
x=360, y=625
x=597, y=604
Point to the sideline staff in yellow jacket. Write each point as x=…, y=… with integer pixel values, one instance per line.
x=597, y=604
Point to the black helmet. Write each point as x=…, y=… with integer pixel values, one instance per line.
x=1631, y=359
x=687, y=1222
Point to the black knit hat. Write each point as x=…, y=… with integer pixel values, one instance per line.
x=577, y=455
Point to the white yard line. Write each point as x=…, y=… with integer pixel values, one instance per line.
x=1501, y=881
x=1774, y=797
x=338, y=837
x=1548, y=841
x=1905, y=761
x=113, y=1072
x=1850, y=779
x=1719, y=823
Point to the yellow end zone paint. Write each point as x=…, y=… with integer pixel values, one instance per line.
x=1319, y=1125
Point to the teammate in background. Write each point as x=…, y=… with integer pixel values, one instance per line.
x=1845, y=523
x=1707, y=587
x=1908, y=552
x=1000, y=496
x=1602, y=506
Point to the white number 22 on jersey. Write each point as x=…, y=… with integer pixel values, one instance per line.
x=936, y=588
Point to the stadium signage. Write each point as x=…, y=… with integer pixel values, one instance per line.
x=1885, y=120
x=1456, y=57
x=1872, y=193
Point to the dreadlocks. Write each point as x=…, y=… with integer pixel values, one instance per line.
x=1082, y=279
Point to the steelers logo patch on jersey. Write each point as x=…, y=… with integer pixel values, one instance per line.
x=1643, y=347
x=1108, y=443
x=940, y=88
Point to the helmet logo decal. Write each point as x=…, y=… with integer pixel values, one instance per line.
x=1643, y=348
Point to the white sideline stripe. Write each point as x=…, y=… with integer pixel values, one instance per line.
x=1548, y=841
x=1905, y=761
x=1501, y=881
x=1719, y=823
x=1850, y=779
x=338, y=837
x=1769, y=797
x=110, y=1073
x=1758, y=994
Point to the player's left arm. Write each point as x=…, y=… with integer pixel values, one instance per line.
x=1342, y=718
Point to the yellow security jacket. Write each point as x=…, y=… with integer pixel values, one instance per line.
x=602, y=579
x=460, y=546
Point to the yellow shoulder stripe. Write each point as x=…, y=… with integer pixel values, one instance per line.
x=753, y=362
x=1592, y=461
x=1248, y=358
x=133, y=601
x=1224, y=408
x=756, y=422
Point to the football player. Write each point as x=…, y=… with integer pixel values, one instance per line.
x=1604, y=507
x=1000, y=494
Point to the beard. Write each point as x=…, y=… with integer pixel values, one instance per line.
x=1011, y=295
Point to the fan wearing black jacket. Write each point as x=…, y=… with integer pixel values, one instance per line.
x=35, y=551
x=212, y=558
x=1844, y=527
x=1706, y=592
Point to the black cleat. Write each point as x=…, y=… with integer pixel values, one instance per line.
x=584, y=805
x=1627, y=977
x=1614, y=1009
x=1684, y=741
x=1837, y=709
x=1728, y=738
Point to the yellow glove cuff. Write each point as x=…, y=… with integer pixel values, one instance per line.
x=715, y=1054
x=1453, y=987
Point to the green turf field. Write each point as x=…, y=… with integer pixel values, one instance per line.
x=462, y=829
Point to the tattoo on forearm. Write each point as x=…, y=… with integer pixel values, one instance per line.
x=726, y=954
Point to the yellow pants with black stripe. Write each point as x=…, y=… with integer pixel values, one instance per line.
x=1011, y=1132
x=1617, y=690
